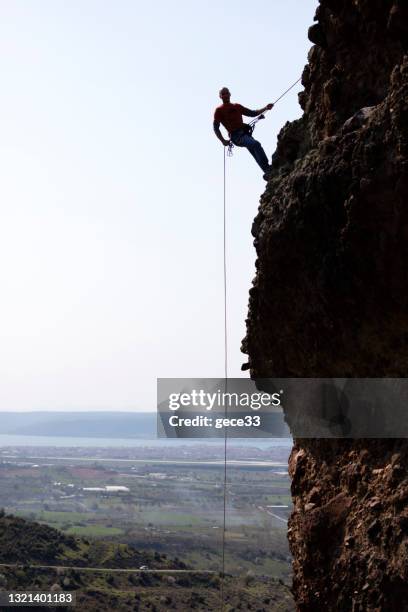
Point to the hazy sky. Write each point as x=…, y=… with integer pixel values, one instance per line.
x=111, y=190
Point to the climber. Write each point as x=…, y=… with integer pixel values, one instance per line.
x=230, y=115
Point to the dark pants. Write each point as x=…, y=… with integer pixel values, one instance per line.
x=241, y=139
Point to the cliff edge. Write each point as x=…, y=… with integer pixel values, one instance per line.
x=330, y=297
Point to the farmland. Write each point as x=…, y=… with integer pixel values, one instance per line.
x=174, y=507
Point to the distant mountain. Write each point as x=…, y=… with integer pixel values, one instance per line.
x=80, y=424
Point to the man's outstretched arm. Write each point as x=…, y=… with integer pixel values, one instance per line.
x=254, y=113
x=218, y=134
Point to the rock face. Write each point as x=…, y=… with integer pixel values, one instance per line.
x=330, y=297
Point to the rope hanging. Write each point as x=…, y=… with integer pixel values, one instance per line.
x=224, y=522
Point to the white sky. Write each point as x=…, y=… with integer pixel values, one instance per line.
x=111, y=190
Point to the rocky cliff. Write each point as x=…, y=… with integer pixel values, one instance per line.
x=330, y=297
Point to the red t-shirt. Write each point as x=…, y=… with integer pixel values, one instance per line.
x=230, y=115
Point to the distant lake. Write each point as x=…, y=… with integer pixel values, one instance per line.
x=61, y=441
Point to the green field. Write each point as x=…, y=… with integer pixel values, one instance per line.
x=94, y=531
x=170, y=518
x=285, y=500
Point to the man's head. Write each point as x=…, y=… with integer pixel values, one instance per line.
x=225, y=94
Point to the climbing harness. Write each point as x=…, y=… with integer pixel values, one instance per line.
x=249, y=129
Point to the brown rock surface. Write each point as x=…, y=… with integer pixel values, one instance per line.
x=330, y=297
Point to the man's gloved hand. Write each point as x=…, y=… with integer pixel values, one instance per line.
x=269, y=106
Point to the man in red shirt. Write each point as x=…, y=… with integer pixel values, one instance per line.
x=230, y=115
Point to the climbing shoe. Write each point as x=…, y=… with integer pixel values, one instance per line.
x=267, y=174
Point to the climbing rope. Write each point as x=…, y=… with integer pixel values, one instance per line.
x=224, y=523
x=287, y=91
x=225, y=277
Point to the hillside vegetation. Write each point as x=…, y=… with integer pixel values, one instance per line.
x=27, y=545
